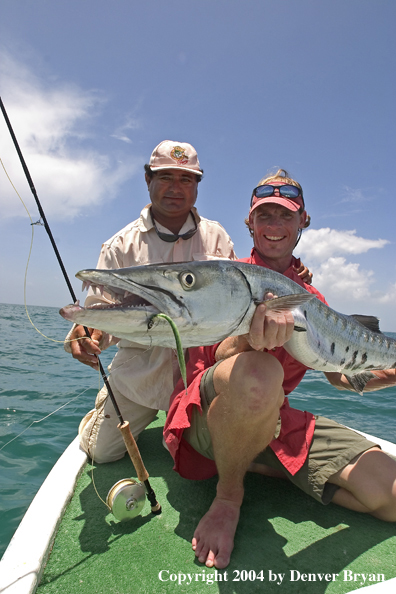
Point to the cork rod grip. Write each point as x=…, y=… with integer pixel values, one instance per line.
x=133, y=451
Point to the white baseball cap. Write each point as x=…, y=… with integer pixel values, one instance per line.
x=175, y=155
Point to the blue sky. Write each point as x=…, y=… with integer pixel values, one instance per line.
x=91, y=86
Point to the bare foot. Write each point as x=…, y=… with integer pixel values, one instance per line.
x=214, y=537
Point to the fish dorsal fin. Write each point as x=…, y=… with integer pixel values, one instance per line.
x=370, y=322
x=288, y=302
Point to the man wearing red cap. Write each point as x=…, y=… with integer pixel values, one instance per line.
x=235, y=417
x=169, y=229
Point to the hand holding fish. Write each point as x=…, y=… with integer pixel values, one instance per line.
x=269, y=329
x=86, y=350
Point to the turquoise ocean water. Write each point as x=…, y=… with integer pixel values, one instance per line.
x=38, y=377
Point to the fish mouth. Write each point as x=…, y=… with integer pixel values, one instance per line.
x=129, y=294
x=122, y=301
x=128, y=303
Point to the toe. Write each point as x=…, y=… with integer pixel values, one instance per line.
x=210, y=559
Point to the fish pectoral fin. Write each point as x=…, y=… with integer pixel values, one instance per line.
x=287, y=302
x=359, y=381
x=370, y=322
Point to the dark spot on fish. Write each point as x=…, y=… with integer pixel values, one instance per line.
x=342, y=361
x=347, y=349
x=328, y=442
x=332, y=348
x=305, y=314
x=364, y=358
x=352, y=361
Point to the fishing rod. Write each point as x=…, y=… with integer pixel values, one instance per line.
x=130, y=443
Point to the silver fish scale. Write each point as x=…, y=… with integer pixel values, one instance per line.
x=331, y=341
x=335, y=342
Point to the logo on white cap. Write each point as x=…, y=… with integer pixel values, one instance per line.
x=179, y=155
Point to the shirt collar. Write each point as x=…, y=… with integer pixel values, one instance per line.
x=146, y=223
x=255, y=258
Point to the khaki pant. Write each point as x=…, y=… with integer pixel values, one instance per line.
x=333, y=447
x=99, y=436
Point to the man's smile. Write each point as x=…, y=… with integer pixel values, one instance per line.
x=273, y=237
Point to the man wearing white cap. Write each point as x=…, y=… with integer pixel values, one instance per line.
x=169, y=229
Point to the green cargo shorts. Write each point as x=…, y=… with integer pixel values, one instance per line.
x=333, y=447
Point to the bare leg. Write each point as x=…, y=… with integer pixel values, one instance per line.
x=368, y=485
x=242, y=420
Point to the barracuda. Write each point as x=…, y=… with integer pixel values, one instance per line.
x=211, y=300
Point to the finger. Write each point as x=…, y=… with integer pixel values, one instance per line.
x=86, y=359
x=278, y=329
x=255, y=336
x=85, y=346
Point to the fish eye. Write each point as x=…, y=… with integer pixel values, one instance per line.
x=187, y=280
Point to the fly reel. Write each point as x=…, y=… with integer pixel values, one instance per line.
x=126, y=499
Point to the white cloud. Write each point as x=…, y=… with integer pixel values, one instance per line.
x=320, y=244
x=388, y=297
x=336, y=275
x=350, y=289
x=51, y=123
x=131, y=123
x=347, y=287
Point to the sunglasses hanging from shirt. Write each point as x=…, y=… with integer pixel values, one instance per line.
x=172, y=237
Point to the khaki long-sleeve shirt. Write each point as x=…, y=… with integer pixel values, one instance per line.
x=148, y=375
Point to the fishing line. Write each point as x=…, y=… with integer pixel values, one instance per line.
x=179, y=348
x=54, y=246
x=39, y=222
x=123, y=426
x=45, y=417
x=67, y=404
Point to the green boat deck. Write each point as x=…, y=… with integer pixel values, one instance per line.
x=281, y=531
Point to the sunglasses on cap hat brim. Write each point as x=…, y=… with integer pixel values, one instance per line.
x=292, y=193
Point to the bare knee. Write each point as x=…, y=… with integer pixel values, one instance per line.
x=257, y=377
x=371, y=480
